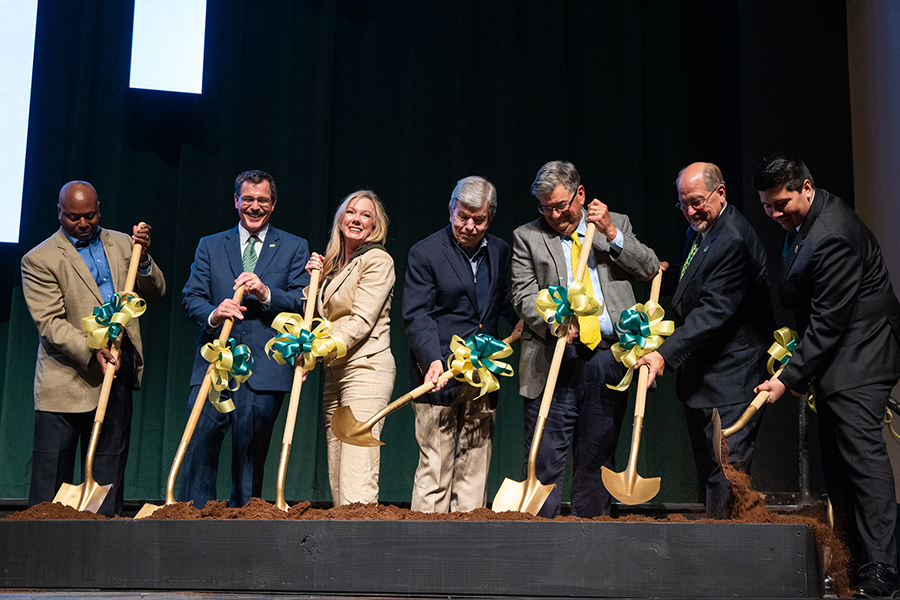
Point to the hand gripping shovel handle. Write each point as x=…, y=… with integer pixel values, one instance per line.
x=751, y=410
x=296, y=386
x=350, y=431
x=196, y=410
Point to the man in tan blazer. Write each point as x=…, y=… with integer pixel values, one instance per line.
x=64, y=278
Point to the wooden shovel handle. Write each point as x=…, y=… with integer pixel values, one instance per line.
x=309, y=311
x=751, y=410
x=197, y=409
x=423, y=389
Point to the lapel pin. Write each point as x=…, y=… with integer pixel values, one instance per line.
x=271, y=245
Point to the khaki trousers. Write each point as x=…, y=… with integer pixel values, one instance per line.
x=365, y=385
x=454, y=453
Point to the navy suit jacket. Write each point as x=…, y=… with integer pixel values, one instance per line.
x=836, y=282
x=439, y=302
x=724, y=309
x=281, y=267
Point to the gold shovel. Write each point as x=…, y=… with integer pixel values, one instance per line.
x=90, y=495
x=628, y=487
x=529, y=496
x=357, y=433
x=751, y=410
x=149, y=509
x=295, y=396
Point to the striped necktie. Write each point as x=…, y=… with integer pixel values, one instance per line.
x=588, y=327
x=687, y=261
x=249, y=257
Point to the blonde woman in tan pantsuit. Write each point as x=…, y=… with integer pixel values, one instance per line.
x=355, y=296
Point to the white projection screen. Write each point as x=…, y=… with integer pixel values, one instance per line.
x=167, y=45
x=17, y=23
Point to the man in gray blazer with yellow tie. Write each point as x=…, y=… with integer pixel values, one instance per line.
x=64, y=278
x=584, y=411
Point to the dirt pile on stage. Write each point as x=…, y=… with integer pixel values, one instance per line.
x=748, y=507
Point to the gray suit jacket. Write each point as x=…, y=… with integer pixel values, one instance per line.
x=59, y=291
x=538, y=262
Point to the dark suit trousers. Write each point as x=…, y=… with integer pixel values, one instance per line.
x=713, y=488
x=251, y=424
x=56, y=436
x=586, y=414
x=858, y=471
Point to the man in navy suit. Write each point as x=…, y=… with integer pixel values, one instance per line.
x=269, y=263
x=834, y=279
x=455, y=285
x=721, y=298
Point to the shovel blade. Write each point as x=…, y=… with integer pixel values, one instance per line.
x=634, y=490
x=717, y=435
x=521, y=497
x=347, y=429
x=146, y=511
x=88, y=496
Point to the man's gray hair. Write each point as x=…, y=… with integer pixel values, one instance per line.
x=553, y=174
x=474, y=191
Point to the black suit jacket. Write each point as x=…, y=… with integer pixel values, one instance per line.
x=439, y=302
x=725, y=314
x=835, y=281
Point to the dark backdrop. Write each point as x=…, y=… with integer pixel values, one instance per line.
x=405, y=98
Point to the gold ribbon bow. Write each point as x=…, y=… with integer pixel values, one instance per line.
x=558, y=304
x=477, y=359
x=228, y=361
x=294, y=342
x=780, y=352
x=641, y=331
x=110, y=319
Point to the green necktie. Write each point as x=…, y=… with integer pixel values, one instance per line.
x=249, y=257
x=691, y=254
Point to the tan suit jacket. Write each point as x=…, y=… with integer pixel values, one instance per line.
x=59, y=291
x=357, y=301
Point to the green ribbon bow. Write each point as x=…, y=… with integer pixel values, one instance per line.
x=477, y=361
x=229, y=361
x=109, y=320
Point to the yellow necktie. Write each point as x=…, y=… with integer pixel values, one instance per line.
x=589, y=327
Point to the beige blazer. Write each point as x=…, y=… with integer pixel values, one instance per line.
x=357, y=301
x=59, y=291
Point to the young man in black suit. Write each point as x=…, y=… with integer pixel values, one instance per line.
x=835, y=281
x=721, y=299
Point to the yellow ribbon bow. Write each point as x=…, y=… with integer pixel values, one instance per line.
x=110, y=319
x=641, y=331
x=294, y=342
x=781, y=350
x=477, y=359
x=558, y=304
x=228, y=361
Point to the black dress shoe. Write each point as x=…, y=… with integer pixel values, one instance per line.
x=875, y=580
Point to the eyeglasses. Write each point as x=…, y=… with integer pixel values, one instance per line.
x=558, y=208
x=262, y=201
x=696, y=204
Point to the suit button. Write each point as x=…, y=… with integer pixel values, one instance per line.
x=479, y=326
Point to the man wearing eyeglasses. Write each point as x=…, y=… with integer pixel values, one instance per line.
x=584, y=412
x=835, y=280
x=721, y=300
x=269, y=263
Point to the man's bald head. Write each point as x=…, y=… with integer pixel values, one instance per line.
x=79, y=210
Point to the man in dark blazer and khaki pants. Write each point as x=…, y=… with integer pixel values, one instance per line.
x=455, y=285
x=721, y=299
x=835, y=280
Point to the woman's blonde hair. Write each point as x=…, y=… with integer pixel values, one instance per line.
x=334, y=252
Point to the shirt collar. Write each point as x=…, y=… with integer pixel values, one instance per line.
x=245, y=235
x=465, y=252
x=78, y=244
